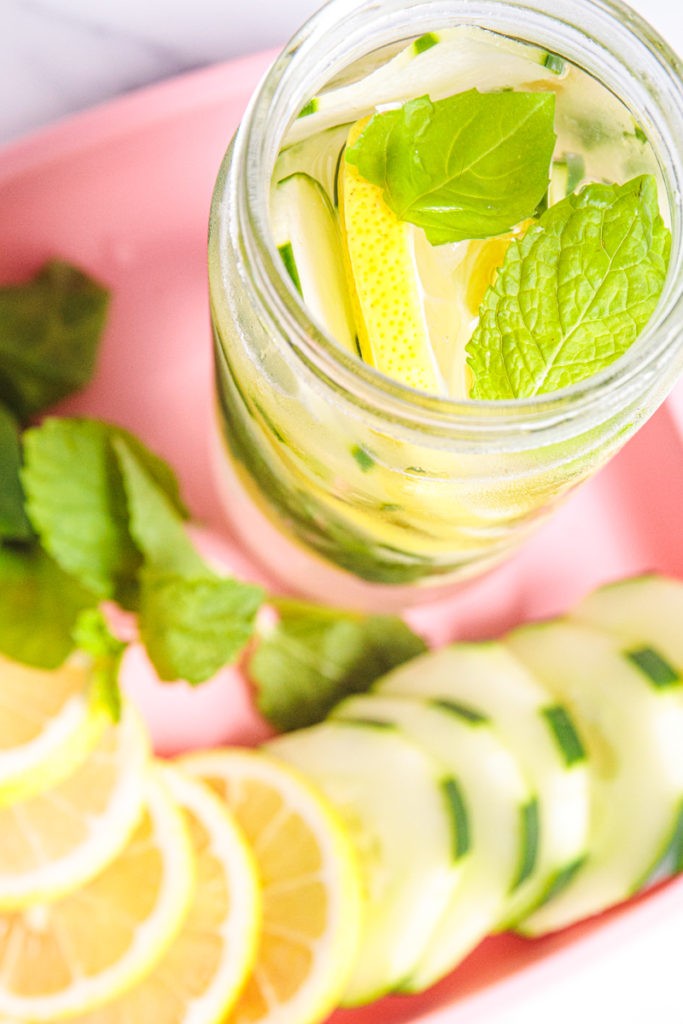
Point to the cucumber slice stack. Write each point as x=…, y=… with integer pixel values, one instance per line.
x=541, y=735
x=497, y=831
x=526, y=783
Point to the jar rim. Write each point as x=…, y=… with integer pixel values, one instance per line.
x=658, y=348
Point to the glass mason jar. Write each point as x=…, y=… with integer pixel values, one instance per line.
x=352, y=487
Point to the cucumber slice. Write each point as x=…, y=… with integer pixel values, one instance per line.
x=646, y=614
x=306, y=234
x=540, y=734
x=498, y=808
x=565, y=176
x=632, y=731
x=318, y=157
x=399, y=808
x=460, y=58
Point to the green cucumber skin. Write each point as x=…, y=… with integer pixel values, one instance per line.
x=457, y=810
x=287, y=256
x=553, y=62
x=309, y=108
x=565, y=734
x=530, y=831
x=452, y=707
x=425, y=42
x=669, y=863
x=658, y=672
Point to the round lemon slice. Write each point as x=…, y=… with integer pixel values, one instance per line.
x=67, y=957
x=201, y=974
x=57, y=839
x=47, y=724
x=310, y=886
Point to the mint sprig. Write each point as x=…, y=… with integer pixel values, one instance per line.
x=470, y=166
x=109, y=513
x=88, y=513
x=315, y=656
x=573, y=294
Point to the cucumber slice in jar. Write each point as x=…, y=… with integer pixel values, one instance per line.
x=438, y=65
x=632, y=732
x=499, y=837
x=396, y=802
x=307, y=237
x=538, y=731
x=565, y=177
x=318, y=157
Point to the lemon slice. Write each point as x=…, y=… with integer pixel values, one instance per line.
x=310, y=885
x=455, y=279
x=67, y=957
x=58, y=839
x=384, y=282
x=200, y=976
x=47, y=724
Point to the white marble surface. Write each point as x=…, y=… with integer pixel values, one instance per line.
x=59, y=56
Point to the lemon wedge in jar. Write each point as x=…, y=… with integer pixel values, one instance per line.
x=386, y=293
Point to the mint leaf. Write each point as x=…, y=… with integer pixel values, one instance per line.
x=573, y=294
x=92, y=635
x=14, y=524
x=469, y=166
x=39, y=606
x=192, y=621
x=77, y=502
x=154, y=520
x=192, y=627
x=316, y=656
x=49, y=333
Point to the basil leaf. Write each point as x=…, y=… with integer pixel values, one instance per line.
x=470, y=166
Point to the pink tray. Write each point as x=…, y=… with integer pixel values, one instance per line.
x=124, y=190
